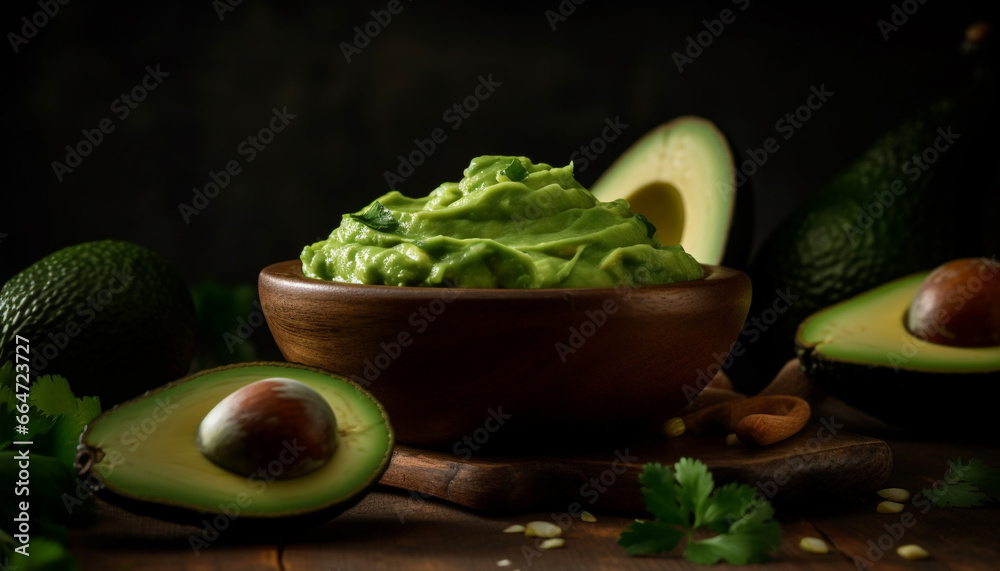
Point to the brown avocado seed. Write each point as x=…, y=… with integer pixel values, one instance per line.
x=277, y=427
x=958, y=304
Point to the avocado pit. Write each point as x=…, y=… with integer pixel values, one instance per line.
x=958, y=304
x=277, y=424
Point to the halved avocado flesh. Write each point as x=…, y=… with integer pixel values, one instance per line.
x=682, y=178
x=860, y=351
x=144, y=457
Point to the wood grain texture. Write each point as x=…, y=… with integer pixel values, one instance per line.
x=394, y=529
x=812, y=464
x=440, y=359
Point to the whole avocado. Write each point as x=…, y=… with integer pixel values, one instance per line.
x=113, y=317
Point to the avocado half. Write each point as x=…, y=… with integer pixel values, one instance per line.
x=859, y=350
x=682, y=177
x=141, y=455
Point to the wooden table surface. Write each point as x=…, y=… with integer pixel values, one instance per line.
x=391, y=529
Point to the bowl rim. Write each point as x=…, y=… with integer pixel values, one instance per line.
x=290, y=272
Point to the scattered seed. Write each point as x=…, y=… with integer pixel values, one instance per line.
x=552, y=543
x=732, y=440
x=813, y=545
x=895, y=494
x=588, y=517
x=542, y=529
x=889, y=507
x=514, y=529
x=674, y=427
x=503, y=563
x=912, y=551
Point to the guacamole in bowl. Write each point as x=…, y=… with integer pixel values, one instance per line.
x=509, y=223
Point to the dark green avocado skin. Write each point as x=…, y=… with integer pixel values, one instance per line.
x=114, y=318
x=825, y=251
x=931, y=403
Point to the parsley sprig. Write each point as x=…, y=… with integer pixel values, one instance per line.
x=684, y=500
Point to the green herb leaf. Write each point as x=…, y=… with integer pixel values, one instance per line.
x=647, y=537
x=515, y=171
x=976, y=484
x=684, y=500
x=650, y=229
x=378, y=218
x=52, y=396
x=983, y=477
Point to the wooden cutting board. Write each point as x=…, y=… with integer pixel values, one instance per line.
x=606, y=477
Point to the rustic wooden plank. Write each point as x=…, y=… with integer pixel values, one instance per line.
x=120, y=540
x=398, y=530
x=811, y=464
x=955, y=538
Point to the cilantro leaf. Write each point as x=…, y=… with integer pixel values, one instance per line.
x=650, y=229
x=686, y=499
x=659, y=492
x=515, y=171
x=647, y=537
x=378, y=218
x=696, y=483
x=983, y=477
x=52, y=396
x=976, y=484
x=728, y=505
x=958, y=495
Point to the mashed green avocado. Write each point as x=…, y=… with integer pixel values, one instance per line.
x=509, y=223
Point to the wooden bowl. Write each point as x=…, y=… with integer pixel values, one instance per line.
x=456, y=364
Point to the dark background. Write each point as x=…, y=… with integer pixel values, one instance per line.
x=606, y=60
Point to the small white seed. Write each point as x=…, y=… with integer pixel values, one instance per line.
x=552, y=543
x=503, y=563
x=588, y=517
x=895, y=494
x=732, y=440
x=542, y=529
x=813, y=545
x=674, y=427
x=889, y=507
x=514, y=529
x=912, y=551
